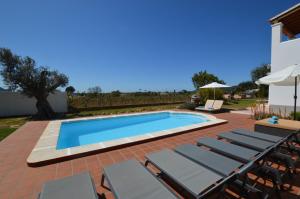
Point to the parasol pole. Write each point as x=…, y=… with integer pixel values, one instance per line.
x=214, y=93
x=295, y=98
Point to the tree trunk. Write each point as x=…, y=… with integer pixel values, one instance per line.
x=45, y=111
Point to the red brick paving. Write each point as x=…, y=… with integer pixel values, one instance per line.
x=19, y=181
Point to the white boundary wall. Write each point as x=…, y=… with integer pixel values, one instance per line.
x=14, y=103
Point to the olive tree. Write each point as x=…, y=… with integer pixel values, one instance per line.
x=21, y=73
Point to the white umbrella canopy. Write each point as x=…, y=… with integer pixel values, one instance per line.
x=215, y=85
x=285, y=77
x=289, y=76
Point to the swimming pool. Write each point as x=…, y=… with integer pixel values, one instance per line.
x=63, y=139
x=80, y=133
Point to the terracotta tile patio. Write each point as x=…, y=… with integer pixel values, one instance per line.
x=19, y=181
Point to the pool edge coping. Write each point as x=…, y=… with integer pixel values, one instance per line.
x=45, y=148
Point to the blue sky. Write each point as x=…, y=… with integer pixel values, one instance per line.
x=141, y=44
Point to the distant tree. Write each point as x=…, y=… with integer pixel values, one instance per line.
x=70, y=90
x=260, y=72
x=247, y=85
x=116, y=93
x=21, y=73
x=184, y=91
x=96, y=93
x=207, y=93
x=202, y=78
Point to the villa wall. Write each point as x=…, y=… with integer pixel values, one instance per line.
x=13, y=103
x=283, y=54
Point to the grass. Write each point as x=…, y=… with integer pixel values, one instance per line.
x=4, y=132
x=9, y=125
x=239, y=104
x=121, y=110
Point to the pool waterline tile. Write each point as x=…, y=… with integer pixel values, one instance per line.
x=45, y=148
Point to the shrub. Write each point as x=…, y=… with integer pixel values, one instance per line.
x=188, y=105
x=260, y=111
x=208, y=93
x=297, y=115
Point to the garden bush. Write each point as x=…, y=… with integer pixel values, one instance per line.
x=188, y=105
x=297, y=115
x=208, y=93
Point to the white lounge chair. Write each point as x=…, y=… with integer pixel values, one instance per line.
x=211, y=106
x=208, y=105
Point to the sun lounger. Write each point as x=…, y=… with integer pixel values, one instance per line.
x=223, y=165
x=285, y=128
x=218, y=104
x=230, y=150
x=197, y=180
x=246, y=155
x=211, y=106
x=263, y=146
x=208, y=105
x=218, y=163
x=131, y=180
x=285, y=143
x=74, y=187
x=254, y=134
x=276, y=156
x=250, y=142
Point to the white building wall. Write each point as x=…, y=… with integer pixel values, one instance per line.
x=13, y=103
x=283, y=54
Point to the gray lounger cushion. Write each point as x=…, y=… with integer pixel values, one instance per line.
x=254, y=134
x=240, y=153
x=218, y=163
x=250, y=142
x=131, y=180
x=73, y=187
x=193, y=177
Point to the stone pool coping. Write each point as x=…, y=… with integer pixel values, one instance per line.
x=45, y=148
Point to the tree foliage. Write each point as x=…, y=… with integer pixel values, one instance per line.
x=70, y=90
x=202, y=78
x=247, y=85
x=21, y=73
x=208, y=93
x=95, y=90
x=260, y=72
x=116, y=93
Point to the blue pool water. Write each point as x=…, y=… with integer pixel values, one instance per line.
x=84, y=132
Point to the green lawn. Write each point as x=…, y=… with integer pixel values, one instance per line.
x=4, y=132
x=240, y=104
x=9, y=125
